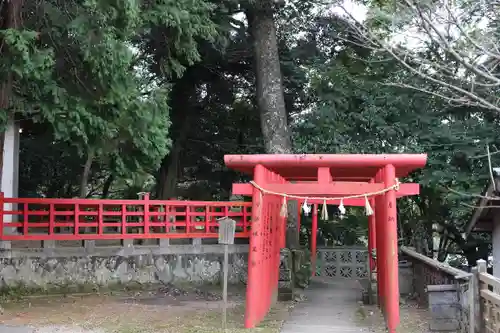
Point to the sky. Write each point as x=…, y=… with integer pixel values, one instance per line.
x=357, y=10
x=411, y=37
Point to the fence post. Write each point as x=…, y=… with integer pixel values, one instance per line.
x=147, y=208
x=481, y=268
x=473, y=301
x=4, y=245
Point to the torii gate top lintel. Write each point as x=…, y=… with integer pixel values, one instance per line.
x=343, y=167
x=331, y=175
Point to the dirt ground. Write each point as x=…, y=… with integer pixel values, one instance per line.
x=412, y=319
x=166, y=310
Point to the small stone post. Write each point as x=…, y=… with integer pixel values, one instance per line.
x=286, y=282
x=481, y=268
x=89, y=245
x=473, y=300
x=49, y=247
x=196, y=242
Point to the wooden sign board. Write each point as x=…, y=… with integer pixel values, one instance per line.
x=227, y=229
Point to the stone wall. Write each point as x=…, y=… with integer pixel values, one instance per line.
x=406, y=278
x=75, y=267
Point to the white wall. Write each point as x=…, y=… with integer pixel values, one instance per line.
x=10, y=172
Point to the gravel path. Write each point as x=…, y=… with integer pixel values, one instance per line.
x=331, y=307
x=12, y=329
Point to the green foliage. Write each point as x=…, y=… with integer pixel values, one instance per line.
x=348, y=230
x=81, y=67
x=126, y=80
x=24, y=58
x=355, y=111
x=47, y=168
x=172, y=34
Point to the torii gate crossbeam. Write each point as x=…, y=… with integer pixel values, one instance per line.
x=329, y=177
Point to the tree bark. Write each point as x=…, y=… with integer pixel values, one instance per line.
x=84, y=182
x=169, y=172
x=270, y=96
x=168, y=175
x=107, y=186
x=69, y=191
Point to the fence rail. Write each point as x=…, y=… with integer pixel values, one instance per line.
x=476, y=305
x=443, y=289
x=429, y=272
x=91, y=219
x=487, y=302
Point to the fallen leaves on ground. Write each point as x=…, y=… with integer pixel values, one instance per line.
x=168, y=309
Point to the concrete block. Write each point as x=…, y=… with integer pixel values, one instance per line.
x=89, y=245
x=5, y=245
x=405, y=278
x=128, y=243
x=444, y=306
x=49, y=244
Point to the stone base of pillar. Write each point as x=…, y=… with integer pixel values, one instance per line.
x=370, y=294
x=285, y=294
x=285, y=281
x=370, y=289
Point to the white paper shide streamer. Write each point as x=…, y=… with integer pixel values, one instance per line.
x=306, y=208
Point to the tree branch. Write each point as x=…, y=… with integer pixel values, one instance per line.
x=465, y=77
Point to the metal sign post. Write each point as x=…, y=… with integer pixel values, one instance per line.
x=227, y=228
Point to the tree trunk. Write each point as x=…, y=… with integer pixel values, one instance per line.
x=168, y=175
x=69, y=191
x=171, y=164
x=107, y=186
x=84, y=182
x=169, y=171
x=270, y=96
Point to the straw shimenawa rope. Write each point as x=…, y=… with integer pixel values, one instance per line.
x=324, y=212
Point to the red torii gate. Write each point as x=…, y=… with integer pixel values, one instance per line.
x=329, y=176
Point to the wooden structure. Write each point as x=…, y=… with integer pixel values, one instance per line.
x=89, y=219
x=485, y=211
x=484, y=311
x=486, y=218
x=458, y=301
x=355, y=178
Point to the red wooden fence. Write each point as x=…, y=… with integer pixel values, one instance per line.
x=91, y=219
